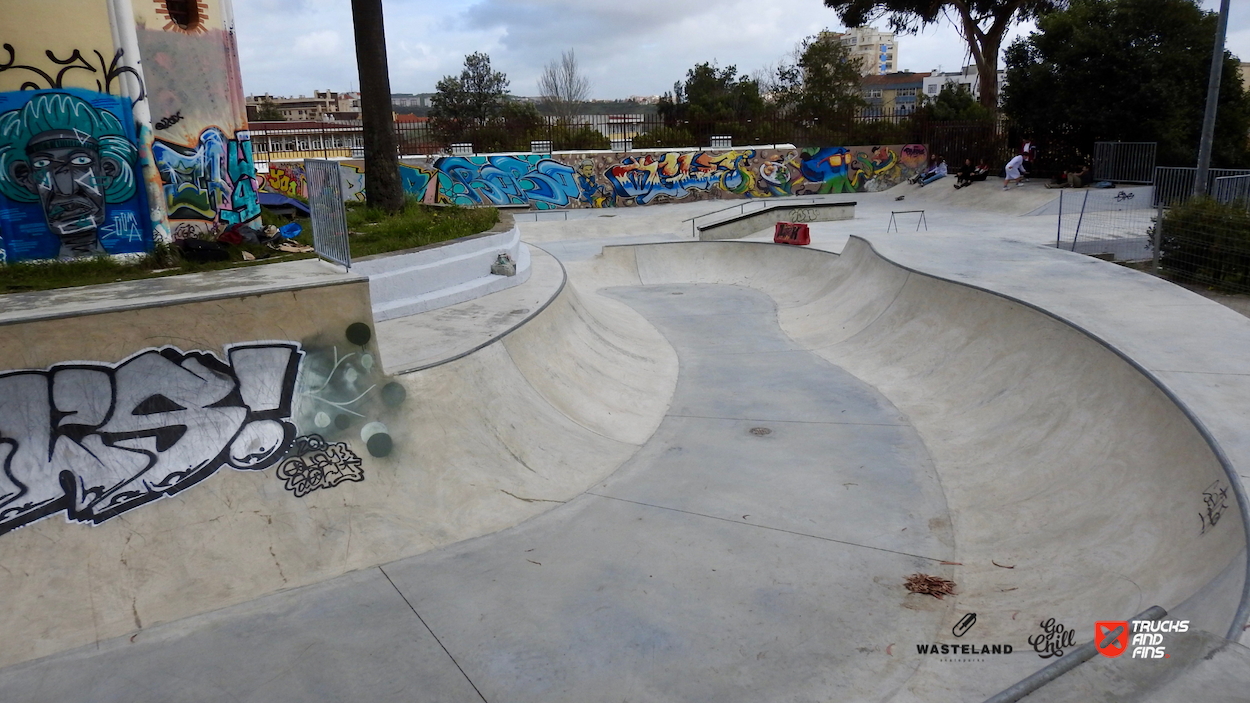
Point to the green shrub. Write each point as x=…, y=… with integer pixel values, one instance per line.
x=1204, y=240
x=664, y=137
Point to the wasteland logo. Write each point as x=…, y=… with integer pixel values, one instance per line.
x=960, y=629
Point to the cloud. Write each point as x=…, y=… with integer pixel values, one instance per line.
x=291, y=47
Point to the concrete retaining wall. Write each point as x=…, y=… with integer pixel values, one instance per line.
x=436, y=276
x=749, y=223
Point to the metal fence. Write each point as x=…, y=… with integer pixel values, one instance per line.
x=1207, y=240
x=1174, y=185
x=1232, y=189
x=1125, y=162
x=279, y=141
x=1114, y=223
x=329, y=213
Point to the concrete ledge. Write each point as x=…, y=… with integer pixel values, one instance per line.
x=746, y=224
x=444, y=274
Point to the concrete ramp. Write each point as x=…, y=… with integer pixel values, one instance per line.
x=704, y=471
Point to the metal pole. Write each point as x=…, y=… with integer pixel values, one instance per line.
x=1213, y=100
x=1078, y=221
x=1059, y=229
x=1059, y=667
x=1158, y=235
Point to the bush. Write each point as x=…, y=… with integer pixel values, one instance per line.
x=1207, y=241
x=664, y=137
x=577, y=138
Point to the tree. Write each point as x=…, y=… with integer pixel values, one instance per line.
x=1125, y=70
x=477, y=96
x=953, y=103
x=267, y=111
x=710, y=94
x=383, y=189
x=982, y=23
x=563, y=88
x=823, y=81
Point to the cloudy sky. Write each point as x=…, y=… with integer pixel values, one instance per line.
x=638, y=47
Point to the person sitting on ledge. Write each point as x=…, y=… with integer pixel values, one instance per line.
x=964, y=175
x=938, y=172
x=926, y=172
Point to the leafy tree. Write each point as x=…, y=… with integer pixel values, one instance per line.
x=823, y=81
x=1126, y=70
x=563, y=87
x=711, y=94
x=982, y=23
x=267, y=111
x=953, y=102
x=478, y=95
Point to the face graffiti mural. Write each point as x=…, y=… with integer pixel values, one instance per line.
x=70, y=156
x=96, y=440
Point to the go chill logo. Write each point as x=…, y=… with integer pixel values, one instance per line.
x=1144, y=638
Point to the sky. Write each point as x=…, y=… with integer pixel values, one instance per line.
x=625, y=48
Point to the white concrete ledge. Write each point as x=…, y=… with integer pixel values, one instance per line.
x=437, y=276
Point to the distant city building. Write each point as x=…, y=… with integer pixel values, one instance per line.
x=892, y=94
x=323, y=105
x=969, y=77
x=410, y=100
x=877, y=49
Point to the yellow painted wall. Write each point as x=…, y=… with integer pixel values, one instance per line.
x=33, y=27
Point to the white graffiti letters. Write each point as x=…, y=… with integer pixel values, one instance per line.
x=96, y=440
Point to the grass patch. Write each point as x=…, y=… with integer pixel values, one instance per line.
x=163, y=261
x=372, y=231
x=416, y=225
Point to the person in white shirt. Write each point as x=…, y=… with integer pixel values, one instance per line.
x=1012, y=171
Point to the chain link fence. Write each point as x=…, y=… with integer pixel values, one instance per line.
x=329, y=213
x=1111, y=223
x=1204, y=240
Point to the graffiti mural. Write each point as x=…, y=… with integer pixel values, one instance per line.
x=535, y=180
x=69, y=175
x=213, y=180
x=625, y=180
x=315, y=463
x=105, y=75
x=95, y=440
x=286, y=179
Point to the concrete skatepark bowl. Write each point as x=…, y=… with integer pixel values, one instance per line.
x=702, y=471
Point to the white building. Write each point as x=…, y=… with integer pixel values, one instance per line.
x=967, y=77
x=879, y=50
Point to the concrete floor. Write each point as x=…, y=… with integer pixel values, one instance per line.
x=722, y=562
x=729, y=556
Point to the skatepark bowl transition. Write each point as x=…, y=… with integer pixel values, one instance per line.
x=660, y=469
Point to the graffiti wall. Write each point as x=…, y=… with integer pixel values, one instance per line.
x=70, y=180
x=94, y=440
x=109, y=141
x=623, y=180
x=201, y=145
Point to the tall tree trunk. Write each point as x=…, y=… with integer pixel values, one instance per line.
x=984, y=46
x=383, y=188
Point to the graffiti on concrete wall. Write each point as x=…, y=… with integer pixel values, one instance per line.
x=343, y=391
x=213, y=180
x=95, y=440
x=68, y=176
x=286, y=179
x=314, y=463
x=106, y=73
x=621, y=180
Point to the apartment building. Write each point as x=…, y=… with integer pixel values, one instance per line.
x=878, y=50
